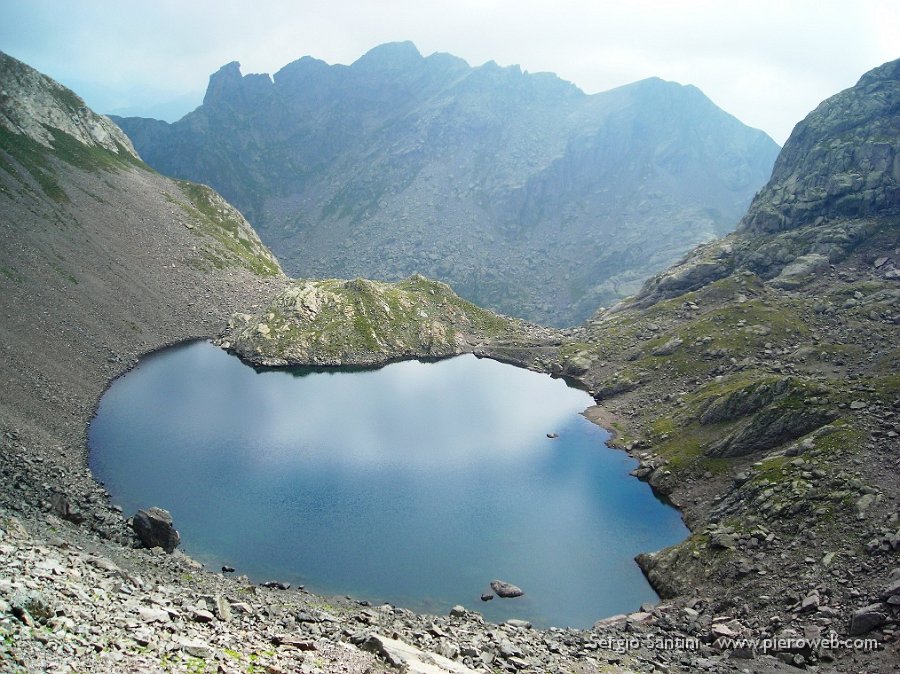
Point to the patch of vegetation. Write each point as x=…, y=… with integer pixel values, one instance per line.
x=11, y=274
x=33, y=157
x=36, y=158
x=91, y=158
x=213, y=218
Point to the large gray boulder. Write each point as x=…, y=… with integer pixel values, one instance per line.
x=154, y=529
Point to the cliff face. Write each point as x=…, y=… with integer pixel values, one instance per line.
x=834, y=185
x=526, y=195
x=842, y=161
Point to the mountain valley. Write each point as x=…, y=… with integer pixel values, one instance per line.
x=755, y=381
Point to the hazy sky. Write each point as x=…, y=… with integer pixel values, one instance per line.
x=768, y=62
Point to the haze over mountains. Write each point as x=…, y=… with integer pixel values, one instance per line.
x=525, y=194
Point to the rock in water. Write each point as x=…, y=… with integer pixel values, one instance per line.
x=505, y=590
x=154, y=529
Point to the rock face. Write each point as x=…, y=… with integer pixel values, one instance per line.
x=842, y=161
x=523, y=193
x=836, y=179
x=360, y=322
x=154, y=529
x=34, y=105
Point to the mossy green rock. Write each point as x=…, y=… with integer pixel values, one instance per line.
x=360, y=322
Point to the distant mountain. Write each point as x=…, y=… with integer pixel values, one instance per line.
x=525, y=194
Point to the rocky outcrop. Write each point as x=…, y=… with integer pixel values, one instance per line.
x=745, y=400
x=833, y=185
x=770, y=428
x=360, y=322
x=841, y=162
x=506, y=590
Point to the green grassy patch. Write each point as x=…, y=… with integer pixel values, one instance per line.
x=237, y=246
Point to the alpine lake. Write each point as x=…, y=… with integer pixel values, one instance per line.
x=415, y=484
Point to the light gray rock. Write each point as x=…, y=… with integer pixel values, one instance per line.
x=670, y=347
x=153, y=614
x=223, y=609
x=801, y=271
x=411, y=659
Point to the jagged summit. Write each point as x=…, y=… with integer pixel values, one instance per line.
x=841, y=161
x=525, y=194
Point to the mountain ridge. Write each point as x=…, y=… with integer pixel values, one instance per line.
x=438, y=166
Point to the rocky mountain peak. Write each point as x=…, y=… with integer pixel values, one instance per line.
x=33, y=105
x=841, y=161
x=390, y=56
x=227, y=85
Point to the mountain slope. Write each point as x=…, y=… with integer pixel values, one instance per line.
x=101, y=259
x=523, y=193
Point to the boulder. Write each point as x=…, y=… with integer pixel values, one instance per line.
x=867, y=619
x=669, y=347
x=154, y=529
x=62, y=507
x=799, y=272
x=411, y=659
x=505, y=590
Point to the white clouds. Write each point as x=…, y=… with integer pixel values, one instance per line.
x=768, y=62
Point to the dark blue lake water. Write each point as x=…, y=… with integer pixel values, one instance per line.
x=416, y=484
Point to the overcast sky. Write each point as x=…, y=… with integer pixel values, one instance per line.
x=768, y=62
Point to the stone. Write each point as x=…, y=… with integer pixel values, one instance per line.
x=810, y=603
x=31, y=606
x=154, y=529
x=202, y=616
x=891, y=590
x=724, y=541
x=142, y=636
x=153, y=614
x=196, y=648
x=505, y=590
x=241, y=607
x=62, y=507
x=487, y=596
x=867, y=619
x=223, y=609
x=519, y=624
x=276, y=585
x=458, y=611
x=670, y=347
x=411, y=659
x=291, y=641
